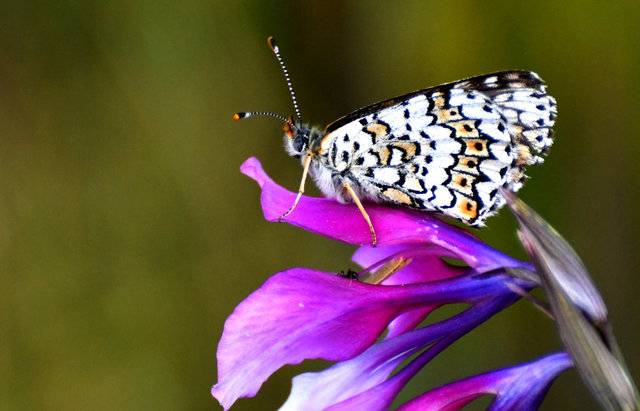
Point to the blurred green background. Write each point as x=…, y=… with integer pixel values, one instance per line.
x=127, y=233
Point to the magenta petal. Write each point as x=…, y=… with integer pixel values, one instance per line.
x=393, y=225
x=521, y=387
x=301, y=314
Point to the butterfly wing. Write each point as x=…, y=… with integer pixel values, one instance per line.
x=447, y=148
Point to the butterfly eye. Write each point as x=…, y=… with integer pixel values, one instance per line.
x=300, y=143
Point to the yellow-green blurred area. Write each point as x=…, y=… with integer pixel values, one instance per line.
x=128, y=235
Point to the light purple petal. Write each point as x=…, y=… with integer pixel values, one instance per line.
x=522, y=387
x=344, y=222
x=302, y=314
x=362, y=382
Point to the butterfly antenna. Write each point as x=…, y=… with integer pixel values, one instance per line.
x=276, y=51
x=247, y=114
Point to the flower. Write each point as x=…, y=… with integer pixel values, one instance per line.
x=321, y=315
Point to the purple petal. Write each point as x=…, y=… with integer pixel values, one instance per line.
x=362, y=382
x=344, y=222
x=522, y=387
x=301, y=314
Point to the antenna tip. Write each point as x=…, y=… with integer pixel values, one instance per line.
x=238, y=116
x=272, y=44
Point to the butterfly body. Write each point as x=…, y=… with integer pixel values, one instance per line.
x=446, y=149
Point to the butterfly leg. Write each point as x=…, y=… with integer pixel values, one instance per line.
x=305, y=172
x=364, y=213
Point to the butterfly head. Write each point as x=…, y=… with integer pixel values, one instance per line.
x=300, y=138
x=296, y=138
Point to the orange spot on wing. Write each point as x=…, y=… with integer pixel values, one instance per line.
x=467, y=164
x=408, y=148
x=379, y=130
x=466, y=129
x=397, y=196
x=462, y=183
x=477, y=147
x=385, y=155
x=446, y=115
x=468, y=209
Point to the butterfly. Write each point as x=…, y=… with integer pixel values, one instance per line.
x=447, y=149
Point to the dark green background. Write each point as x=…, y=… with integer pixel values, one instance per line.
x=127, y=233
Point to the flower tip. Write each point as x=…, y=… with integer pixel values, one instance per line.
x=252, y=168
x=219, y=396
